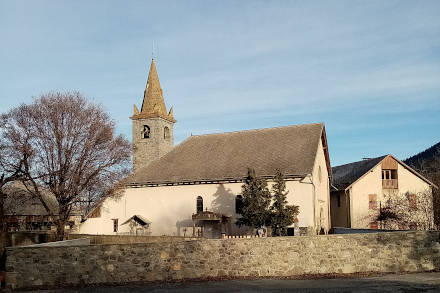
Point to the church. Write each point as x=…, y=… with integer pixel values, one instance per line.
x=193, y=189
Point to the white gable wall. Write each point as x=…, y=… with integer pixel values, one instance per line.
x=371, y=183
x=322, y=191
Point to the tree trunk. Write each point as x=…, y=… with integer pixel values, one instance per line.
x=59, y=235
x=3, y=239
x=3, y=233
x=61, y=223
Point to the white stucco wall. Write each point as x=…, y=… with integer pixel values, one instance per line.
x=169, y=207
x=322, y=191
x=371, y=183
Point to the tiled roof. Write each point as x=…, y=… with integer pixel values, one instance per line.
x=292, y=149
x=345, y=175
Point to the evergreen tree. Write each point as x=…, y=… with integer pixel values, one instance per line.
x=282, y=214
x=256, y=201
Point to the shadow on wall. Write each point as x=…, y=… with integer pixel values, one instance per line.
x=422, y=251
x=224, y=201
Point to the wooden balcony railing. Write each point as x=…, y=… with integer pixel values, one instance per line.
x=389, y=184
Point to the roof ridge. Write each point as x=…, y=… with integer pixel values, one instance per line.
x=256, y=129
x=366, y=160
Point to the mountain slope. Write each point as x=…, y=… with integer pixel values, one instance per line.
x=427, y=161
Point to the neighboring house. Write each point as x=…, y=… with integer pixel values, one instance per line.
x=360, y=189
x=194, y=188
x=26, y=213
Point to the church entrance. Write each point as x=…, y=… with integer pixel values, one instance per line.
x=213, y=225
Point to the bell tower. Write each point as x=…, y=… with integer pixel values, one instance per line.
x=153, y=133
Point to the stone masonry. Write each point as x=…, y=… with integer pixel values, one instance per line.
x=146, y=150
x=30, y=267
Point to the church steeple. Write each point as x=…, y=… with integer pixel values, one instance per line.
x=153, y=134
x=153, y=104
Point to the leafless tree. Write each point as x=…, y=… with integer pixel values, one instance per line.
x=431, y=169
x=407, y=211
x=435, y=178
x=12, y=159
x=71, y=149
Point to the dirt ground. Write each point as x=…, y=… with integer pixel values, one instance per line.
x=420, y=282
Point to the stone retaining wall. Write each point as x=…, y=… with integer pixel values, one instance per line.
x=126, y=239
x=272, y=256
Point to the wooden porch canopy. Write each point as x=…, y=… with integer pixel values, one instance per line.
x=209, y=216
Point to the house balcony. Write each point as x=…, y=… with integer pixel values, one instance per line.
x=389, y=184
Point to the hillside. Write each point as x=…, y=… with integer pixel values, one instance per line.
x=427, y=161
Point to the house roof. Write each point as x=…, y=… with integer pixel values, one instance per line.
x=20, y=202
x=345, y=175
x=138, y=218
x=226, y=156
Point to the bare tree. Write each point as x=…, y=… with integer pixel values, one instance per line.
x=435, y=178
x=12, y=157
x=71, y=148
x=407, y=211
x=429, y=166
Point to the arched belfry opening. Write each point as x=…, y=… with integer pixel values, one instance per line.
x=166, y=133
x=146, y=132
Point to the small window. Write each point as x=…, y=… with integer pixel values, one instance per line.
x=412, y=200
x=239, y=204
x=389, y=174
x=146, y=132
x=199, y=204
x=372, y=201
x=166, y=133
x=115, y=225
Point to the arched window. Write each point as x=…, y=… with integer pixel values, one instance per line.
x=146, y=132
x=239, y=204
x=199, y=204
x=166, y=133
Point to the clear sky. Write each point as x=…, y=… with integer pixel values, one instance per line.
x=370, y=70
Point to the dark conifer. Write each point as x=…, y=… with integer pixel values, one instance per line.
x=256, y=201
x=282, y=214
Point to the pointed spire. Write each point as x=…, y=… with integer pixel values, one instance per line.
x=153, y=99
x=171, y=112
x=136, y=111
x=153, y=104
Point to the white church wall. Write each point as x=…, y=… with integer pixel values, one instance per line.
x=322, y=191
x=170, y=208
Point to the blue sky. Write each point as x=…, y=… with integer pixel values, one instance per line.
x=370, y=70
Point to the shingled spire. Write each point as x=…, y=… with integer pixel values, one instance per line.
x=153, y=104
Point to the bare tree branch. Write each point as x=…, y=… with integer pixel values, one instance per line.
x=71, y=150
